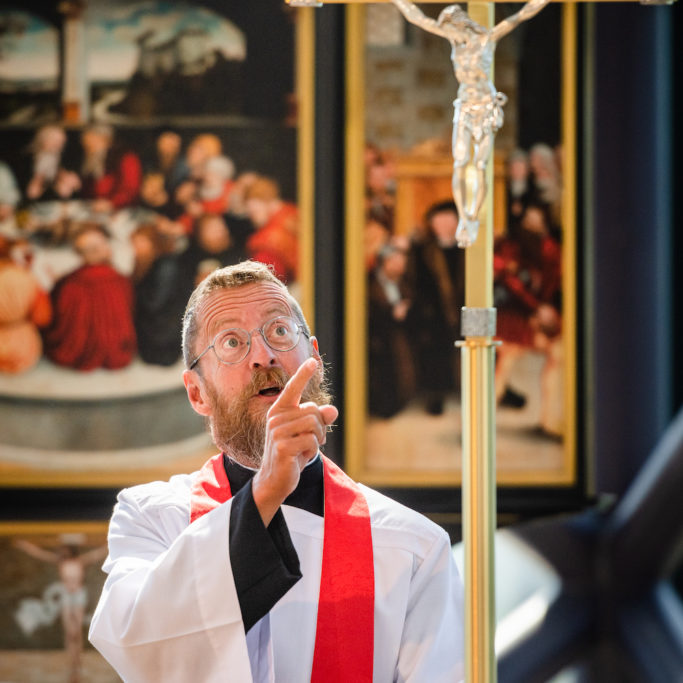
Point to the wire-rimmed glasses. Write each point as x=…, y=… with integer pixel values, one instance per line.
x=233, y=345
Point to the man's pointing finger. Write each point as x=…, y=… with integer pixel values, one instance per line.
x=291, y=394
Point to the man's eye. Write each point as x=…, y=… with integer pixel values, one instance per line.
x=232, y=342
x=281, y=331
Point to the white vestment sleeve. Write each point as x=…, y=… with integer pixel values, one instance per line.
x=432, y=643
x=169, y=609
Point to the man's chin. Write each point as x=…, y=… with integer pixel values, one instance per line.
x=259, y=405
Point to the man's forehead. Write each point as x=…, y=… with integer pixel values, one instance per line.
x=234, y=304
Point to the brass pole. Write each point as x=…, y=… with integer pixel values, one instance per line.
x=479, y=505
x=478, y=435
x=305, y=88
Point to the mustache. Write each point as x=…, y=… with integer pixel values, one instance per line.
x=265, y=378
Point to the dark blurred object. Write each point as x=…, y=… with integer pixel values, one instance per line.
x=619, y=614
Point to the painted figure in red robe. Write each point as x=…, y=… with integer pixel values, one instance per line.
x=527, y=267
x=111, y=176
x=93, y=310
x=275, y=241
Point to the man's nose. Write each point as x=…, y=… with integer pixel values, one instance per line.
x=260, y=355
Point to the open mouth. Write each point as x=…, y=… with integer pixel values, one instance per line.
x=270, y=391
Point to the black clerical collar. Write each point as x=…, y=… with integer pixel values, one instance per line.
x=308, y=495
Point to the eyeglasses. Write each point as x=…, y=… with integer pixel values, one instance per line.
x=233, y=345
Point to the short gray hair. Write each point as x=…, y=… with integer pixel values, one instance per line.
x=230, y=277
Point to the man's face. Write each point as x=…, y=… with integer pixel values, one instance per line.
x=93, y=247
x=258, y=211
x=152, y=190
x=534, y=221
x=395, y=265
x=213, y=235
x=236, y=398
x=196, y=154
x=453, y=14
x=518, y=169
x=378, y=178
x=444, y=224
x=53, y=140
x=94, y=142
x=168, y=144
x=143, y=248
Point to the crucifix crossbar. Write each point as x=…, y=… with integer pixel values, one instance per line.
x=319, y=3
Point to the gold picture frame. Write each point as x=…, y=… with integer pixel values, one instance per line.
x=104, y=452
x=397, y=467
x=39, y=595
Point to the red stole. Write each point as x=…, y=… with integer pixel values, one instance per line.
x=344, y=639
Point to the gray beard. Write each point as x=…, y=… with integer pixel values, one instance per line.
x=239, y=430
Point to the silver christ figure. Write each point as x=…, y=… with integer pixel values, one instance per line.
x=478, y=107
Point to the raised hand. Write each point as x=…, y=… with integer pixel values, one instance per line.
x=294, y=433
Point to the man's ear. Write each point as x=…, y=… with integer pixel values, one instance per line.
x=316, y=351
x=195, y=393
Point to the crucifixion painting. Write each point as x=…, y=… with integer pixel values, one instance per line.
x=478, y=107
